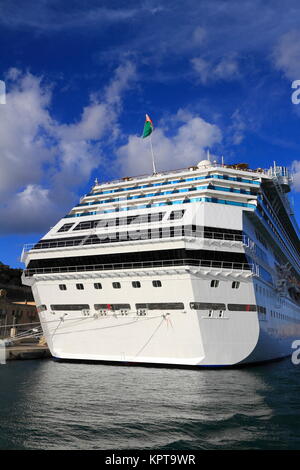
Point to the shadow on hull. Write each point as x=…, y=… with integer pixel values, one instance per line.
x=170, y=366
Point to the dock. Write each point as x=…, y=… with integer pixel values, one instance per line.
x=27, y=351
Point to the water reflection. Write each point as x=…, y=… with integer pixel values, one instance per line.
x=50, y=405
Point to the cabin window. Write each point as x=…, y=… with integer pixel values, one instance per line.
x=235, y=285
x=136, y=284
x=79, y=286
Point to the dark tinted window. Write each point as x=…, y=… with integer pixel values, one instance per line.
x=79, y=286
x=87, y=224
x=65, y=227
x=174, y=257
x=131, y=219
x=136, y=284
x=207, y=306
x=62, y=286
x=116, y=285
x=156, y=283
x=262, y=309
x=112, y=307
x=70, y=307
x=176, y=215
x=161, y=306
x=242, y=307
x=97, y=285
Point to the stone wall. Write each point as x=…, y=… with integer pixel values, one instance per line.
x=16, y=313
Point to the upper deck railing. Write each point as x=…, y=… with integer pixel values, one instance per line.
x=86, y=241
x=211, y=264
x=182, y=170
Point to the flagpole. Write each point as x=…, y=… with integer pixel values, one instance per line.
x=152, y=154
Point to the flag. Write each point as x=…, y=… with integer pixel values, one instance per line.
x=148, y=127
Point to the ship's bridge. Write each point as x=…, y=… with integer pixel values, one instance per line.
x=281, y=177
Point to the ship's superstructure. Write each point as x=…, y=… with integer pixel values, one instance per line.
x=194, y=267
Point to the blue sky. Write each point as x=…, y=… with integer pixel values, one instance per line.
x=80, y=77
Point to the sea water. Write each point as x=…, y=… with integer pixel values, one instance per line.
x=50, y=405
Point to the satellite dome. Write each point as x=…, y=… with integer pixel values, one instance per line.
x=204, y=163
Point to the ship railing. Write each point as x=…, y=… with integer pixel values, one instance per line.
x=99, y=239
x=178, y=171
x=210, y=264
x=161, y=173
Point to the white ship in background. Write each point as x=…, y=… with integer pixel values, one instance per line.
x=195, y=267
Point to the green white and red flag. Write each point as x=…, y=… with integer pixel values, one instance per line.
x=148, y=127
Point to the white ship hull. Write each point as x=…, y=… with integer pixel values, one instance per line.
x=183, y=338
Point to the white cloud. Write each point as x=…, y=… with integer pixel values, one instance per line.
x=93, y=123
x=124, y=75
x=199, y=36
x=287, y=55
x=227, y=68
x=238, y=128
x=43, y=17
x=42, y=160
x=207, y=71
x=187, y=146
x=23, y=149
x=202, y=68
x=30, y=210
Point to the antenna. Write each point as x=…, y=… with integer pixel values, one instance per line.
x=208, y=155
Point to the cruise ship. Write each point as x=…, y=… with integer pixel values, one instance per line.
x=197, y=267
